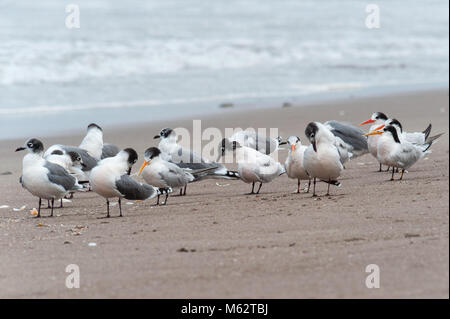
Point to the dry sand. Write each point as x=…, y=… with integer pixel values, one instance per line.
x=273, y=245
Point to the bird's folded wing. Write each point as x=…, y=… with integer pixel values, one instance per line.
x=133, y=190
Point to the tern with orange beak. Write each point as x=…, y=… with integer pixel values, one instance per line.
x=322, y=159
x=377, y=119
x=294, y=161
x=413, y=137
x=111, y=179
x=393, y=151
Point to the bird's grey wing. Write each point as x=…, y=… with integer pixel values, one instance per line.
x=109, y=150
x=87, y=159
x=133, y=190
x=350, y=134
x=58, y=175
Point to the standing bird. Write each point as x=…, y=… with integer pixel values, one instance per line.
x=42, y=178
x=165, y=175
x=395, y=152
x=263, y=144
x=110, y=179
x=294, y=161
x=253, y=166
x=377, y=119
x=414, y=137
x=321, y=159
x=186, y=158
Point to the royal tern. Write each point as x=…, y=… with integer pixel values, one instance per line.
x=110, y=179
x=263, y=144
x=322, y=159
x=294, y=161
x=376, y=120
x=395, y=152
x=42, y=178
x=414, y=137
x=165, y=175
x=253, y=166
x=186, y=158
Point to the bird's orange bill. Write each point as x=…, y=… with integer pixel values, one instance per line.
x=367, y=122
x=373, y=133
x=293, y=148
x=379, y=127
x=143, y=166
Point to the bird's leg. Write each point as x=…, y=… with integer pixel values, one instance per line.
x=181, y=191
x=314, y=188
x=397, y=170
x=387, y=170
x=61, y=203
x=309, y=185
x=401, y=176
x=185, y=187
x=260, y=185
x=39, y=208
x=53, y=204
x=167, y=196
x=253, y=188
x=48, y=203
x=120, y=207
x=157, y=201
x=393, y=171
x=328, y=190
x=380, y=168
x=107, y=208
x=298, y=186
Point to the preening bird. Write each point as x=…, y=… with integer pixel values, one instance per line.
x=111, y=179
x=251, y=139
x=42, y=178
x=322, y=159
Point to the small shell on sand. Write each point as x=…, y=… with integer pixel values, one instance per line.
x=19, y=209
x=34, y=212
x=4, y=206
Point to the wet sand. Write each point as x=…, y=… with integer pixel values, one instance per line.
x=217, y=242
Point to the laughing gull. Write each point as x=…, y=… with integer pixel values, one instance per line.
x=322, y=159
x=165, y=175
x=111, y=179
x=42, y=178
x=186, y=158
x=396, y=152
x=376, y=119
x=294, y=161
x=253, y=166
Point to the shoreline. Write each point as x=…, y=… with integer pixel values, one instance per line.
x=206, y=109
x=217, y=242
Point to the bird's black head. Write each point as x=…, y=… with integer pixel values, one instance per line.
x=33, y=145
x=396, y=122
x=391, y=129
x=380, y=116
x=132, y=156
x=311, y=132
x=93, y=125
x=151, y=153
x=165, y=132
x=74, y=156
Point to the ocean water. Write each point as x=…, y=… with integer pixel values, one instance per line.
x=134, y=61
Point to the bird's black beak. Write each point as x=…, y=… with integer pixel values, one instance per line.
x=156, y=136
x=83, y=165
x=129, y=171
x=313, y=142
x=20, y=149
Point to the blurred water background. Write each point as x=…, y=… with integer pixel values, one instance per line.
x=133, y=61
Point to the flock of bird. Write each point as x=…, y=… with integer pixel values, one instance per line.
x=105, y=169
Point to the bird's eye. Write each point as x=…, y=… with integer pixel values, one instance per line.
x=30, y=145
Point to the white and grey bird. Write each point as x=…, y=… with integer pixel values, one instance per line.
x=163, y=174
x=412, y=137
x=376, y=119
x=253, y=166
x=294, y=161
x=349, y=137
x=42, y=178
x=111, y=179
x=396, y=152
x=185, y=158
x=249, y=138
x=322, y=159
x=90, y=150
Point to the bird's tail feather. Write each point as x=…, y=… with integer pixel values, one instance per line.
x=427, y=131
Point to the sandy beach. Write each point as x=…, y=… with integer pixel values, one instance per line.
x=217, y=242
